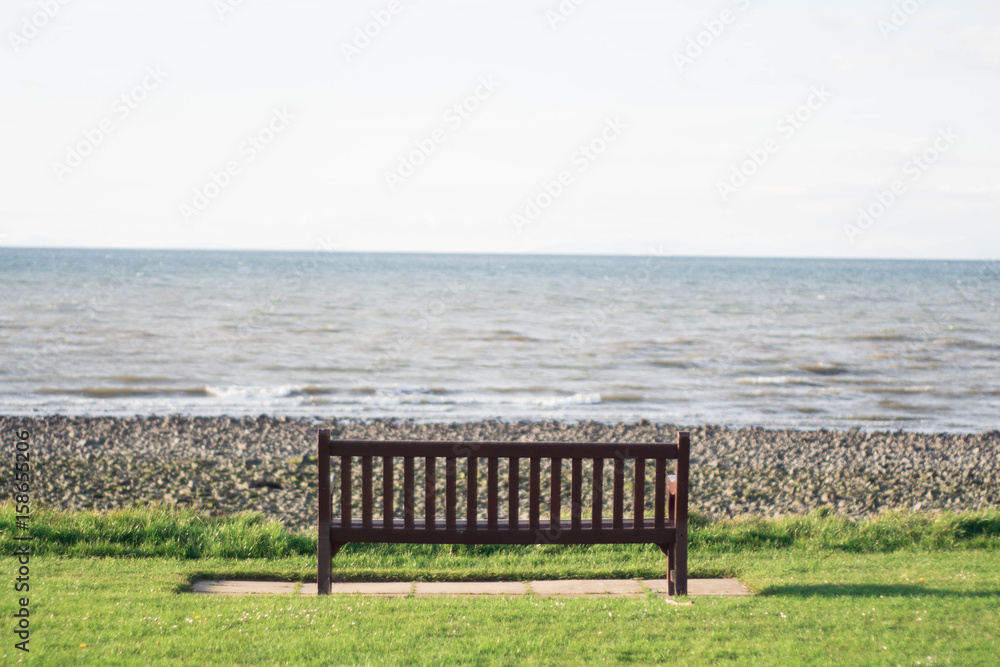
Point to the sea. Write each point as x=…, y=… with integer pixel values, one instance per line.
x=800, y=343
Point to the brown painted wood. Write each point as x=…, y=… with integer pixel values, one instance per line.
x=534, y=491
x=555, y=492
x=503, y=535
x=387, y=495
x=366, y=490
x=596, y=514
x=513, y=492
x=472, y=494
x=408, y=510
x=450, y=501
x=323, y=552
x=680, y=541
x=492, y=492
x=639, y=493
x=430, y=490
x=618, y=493
x=576, y=495
x=503, y=450
x=345, y=490
x=667, y=528
x=660, y=492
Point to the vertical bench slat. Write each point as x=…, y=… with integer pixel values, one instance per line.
x=660, y=493
x=596, y=517
x=618, y=518
x=576, y=495
x=472, y=494
x=639, y=495
x=534, y=491
x=366, y=491
x=430, y=490
x=387, y=492
x=408, y=492
x=555, y=505
x=513, y=492
x=345, y=491
x=492, y=492
x=450, y=477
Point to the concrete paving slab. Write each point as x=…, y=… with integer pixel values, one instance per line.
x=383, y=589
x=469, y=588
x=586, y=587
x=703, y=587
x=563, y=588
x=233, y=587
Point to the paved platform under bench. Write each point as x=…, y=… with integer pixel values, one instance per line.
x=566, y=588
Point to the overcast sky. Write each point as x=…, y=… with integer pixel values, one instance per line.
x=738, y=127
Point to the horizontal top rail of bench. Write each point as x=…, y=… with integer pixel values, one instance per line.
x=480, y=449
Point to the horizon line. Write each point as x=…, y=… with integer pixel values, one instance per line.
x=500, y=254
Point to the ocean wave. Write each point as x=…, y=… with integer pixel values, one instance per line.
x=781, y=379
x=824, y=369
x=670, y=363
x=897, y=390
x=966, y=344
x=511, y=336
x=622, y=398
x=251, y=392
x=123, y=392
x=887, y=337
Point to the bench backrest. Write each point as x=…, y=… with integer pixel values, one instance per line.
x=364, y=517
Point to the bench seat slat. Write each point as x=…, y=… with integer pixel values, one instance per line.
x=503, y=535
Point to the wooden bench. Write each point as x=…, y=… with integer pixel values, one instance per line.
x=666, y=528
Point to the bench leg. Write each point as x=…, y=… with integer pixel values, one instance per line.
x=324, y=557
x=325, y=574
x=680, y=567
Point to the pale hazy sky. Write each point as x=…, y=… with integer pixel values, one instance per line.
x=115, y=115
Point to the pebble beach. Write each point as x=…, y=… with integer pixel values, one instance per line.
x=222, y=465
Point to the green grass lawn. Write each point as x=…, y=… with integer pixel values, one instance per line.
x=901, y=589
